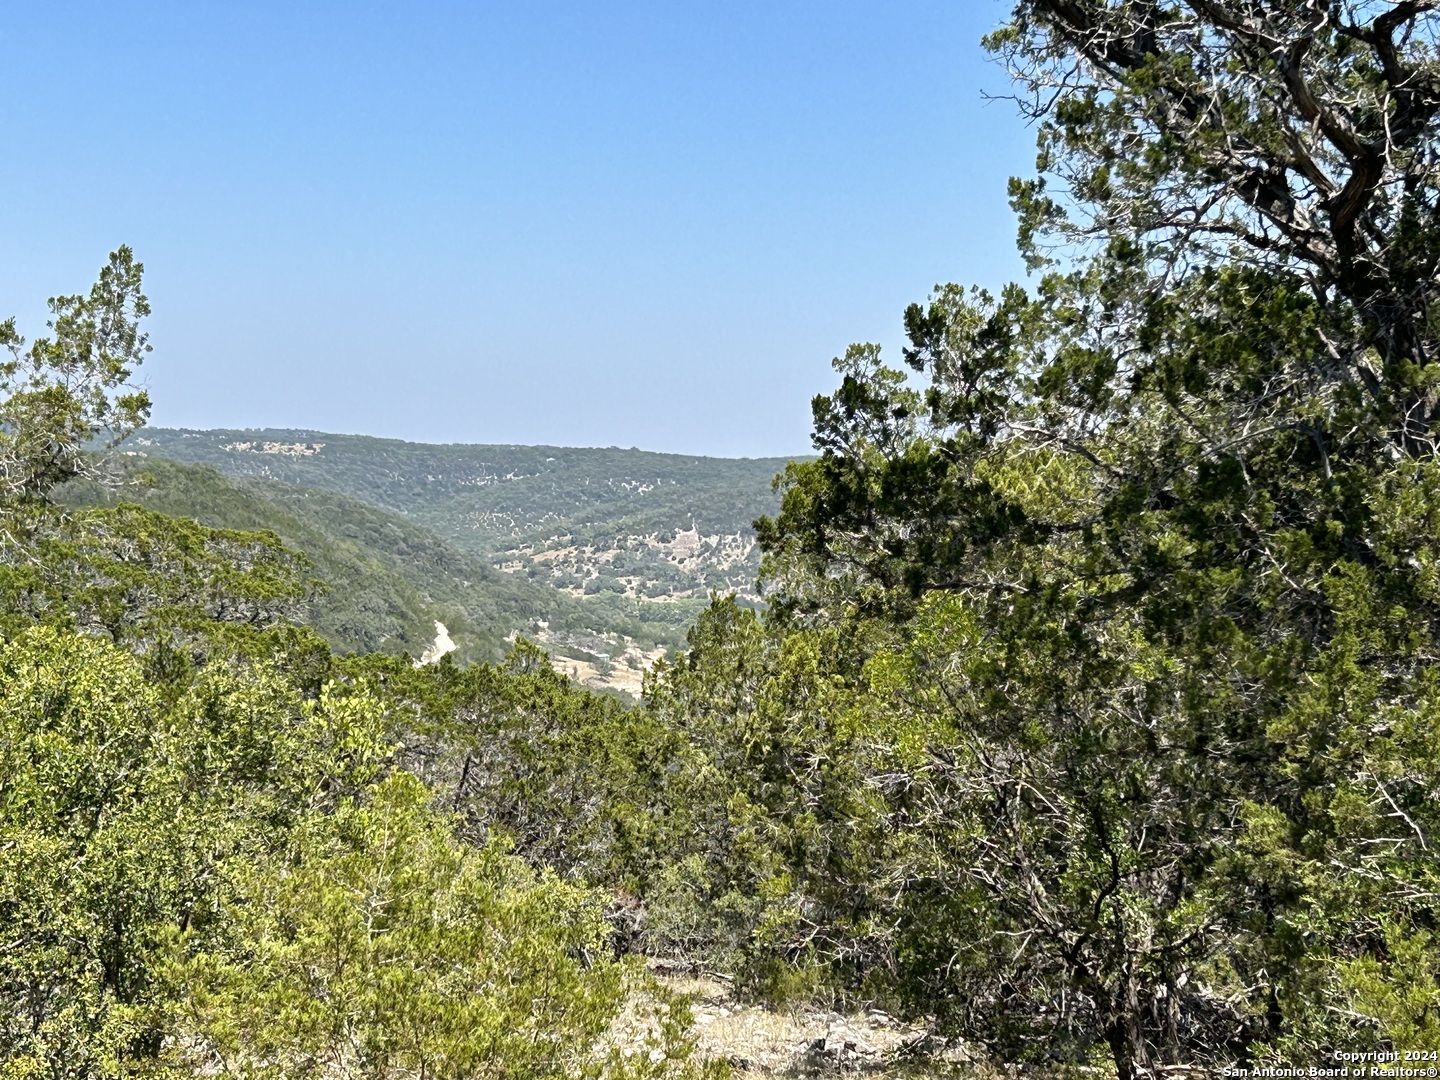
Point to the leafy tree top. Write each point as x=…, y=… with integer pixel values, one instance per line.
x=60, y=392
x=1293, y=136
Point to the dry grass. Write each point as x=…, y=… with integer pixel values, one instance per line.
x=812, y=1042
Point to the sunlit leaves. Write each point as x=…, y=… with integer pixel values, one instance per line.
x=61, y=391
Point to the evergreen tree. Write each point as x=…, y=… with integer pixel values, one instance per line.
x=1154, y=753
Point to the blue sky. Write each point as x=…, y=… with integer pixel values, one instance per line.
x=631, y=224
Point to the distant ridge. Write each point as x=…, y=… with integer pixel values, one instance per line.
x=604, y=555
x=487, y=496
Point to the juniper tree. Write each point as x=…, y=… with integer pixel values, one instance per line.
x=1160, y=531
x=58, y=393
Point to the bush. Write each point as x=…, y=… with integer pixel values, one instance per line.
x=377, y=943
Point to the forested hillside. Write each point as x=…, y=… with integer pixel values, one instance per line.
x=610, y=554
x=383, y=581
x=1090, y=727
x=625, y=521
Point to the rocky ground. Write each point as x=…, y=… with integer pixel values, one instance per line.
x=806, y=1041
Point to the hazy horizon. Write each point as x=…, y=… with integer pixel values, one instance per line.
x=304, y=432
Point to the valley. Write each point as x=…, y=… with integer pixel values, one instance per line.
x=602, y=556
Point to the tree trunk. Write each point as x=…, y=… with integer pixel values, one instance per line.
x=1126, y=1037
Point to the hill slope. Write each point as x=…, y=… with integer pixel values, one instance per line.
x=605, y=556
x=629, y=522
x=385, y=580
x=388, y=580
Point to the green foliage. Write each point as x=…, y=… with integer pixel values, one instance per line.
x=210, y=860
x=1144, y=754
x=58, y=394
x=1397, y=987
x=486, y=499
x=563, y=775
x=1138, y=576
x=222, y=871
x=122, y=795
x=375, y=942
x=748, y=808
x=77, y=875
x=1146, y=748
x=137, y=576
x=1096, y=712
x=386, y=580
x=599, y=522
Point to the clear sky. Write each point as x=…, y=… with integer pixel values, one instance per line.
x=605, y=223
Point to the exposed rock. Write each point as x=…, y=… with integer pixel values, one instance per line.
x=438, y=648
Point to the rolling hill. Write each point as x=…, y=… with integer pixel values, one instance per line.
x=602, y=555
